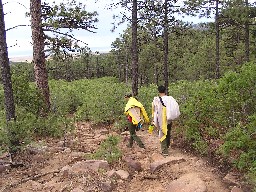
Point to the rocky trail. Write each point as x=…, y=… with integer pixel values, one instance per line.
x=56, y=166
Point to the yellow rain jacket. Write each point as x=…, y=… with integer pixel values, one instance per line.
x=136, y=110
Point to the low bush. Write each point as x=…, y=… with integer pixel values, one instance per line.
x=108, y=150
x=103, y=100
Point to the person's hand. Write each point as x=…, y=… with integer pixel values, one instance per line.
x=150, y=129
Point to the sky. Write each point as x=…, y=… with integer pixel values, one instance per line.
x=19, y=39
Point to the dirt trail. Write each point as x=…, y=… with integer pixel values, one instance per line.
x=47, y=167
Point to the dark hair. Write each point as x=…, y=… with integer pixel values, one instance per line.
x=161, y=89
x=128, y=95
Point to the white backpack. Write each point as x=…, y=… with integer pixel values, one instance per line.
x=172, y=108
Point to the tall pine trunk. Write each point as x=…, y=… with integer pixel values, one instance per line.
x=247, y=33
x=41, y=75
x=217, y=30
x=135, y=73
x=119, y=67
x=126, y=66
x=5, y=69
x=166, y=36
x=156, y=73
x=7, y=84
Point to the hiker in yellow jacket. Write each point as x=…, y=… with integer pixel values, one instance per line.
x=136, y=114
x=159, y=115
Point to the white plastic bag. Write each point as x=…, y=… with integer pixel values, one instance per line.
x=172, y=109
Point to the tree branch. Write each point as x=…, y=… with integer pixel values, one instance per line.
x=17, y=27
x=7, y=13
x=18, y=3
x=65, y=34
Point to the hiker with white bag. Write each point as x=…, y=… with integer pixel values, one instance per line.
x=165, y=109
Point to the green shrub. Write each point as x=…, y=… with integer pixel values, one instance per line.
x=146, y=96
x=4, y=141
x=121, y=124
x=108, y=150
x=237, y=93
x=241, y=141
x=223, y=111
x=26, y=94
x=17, y=133
x=53, y=126
x=103, y=100
x=65, y=97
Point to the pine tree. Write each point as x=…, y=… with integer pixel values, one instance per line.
x=5, y=70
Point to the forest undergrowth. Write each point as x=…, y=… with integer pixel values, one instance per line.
x=217, y=119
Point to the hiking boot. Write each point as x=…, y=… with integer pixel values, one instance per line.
x=165, y=154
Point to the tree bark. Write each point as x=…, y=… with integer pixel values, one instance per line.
x=126, y=66
x=41, y=75
x=88, y=68
x=5, y=69
x=156, y=74
x=135, y=73
x=97, y=64
x=119, y=66
x=217, y=30
x=166, y=36
x=247, y=33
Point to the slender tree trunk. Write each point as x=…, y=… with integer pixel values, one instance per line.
x=166, y=36
x=68, y=71
x=119, y=68
x=5, y=69
x=124, y=71
x=7, y=84
x=41, y=76
x=156, y=74
x=88, y=68
x=103, y=71
x=142, y=79
x=135, y=73
x=217, y=29
x=126, y=67
x=247, y=34
x=97, y=65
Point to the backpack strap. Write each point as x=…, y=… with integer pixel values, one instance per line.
x=161, y=100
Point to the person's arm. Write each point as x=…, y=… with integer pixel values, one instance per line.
x=145, y=115
x=151, y=127
x=153, y=111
